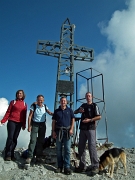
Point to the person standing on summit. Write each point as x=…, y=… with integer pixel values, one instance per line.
x=37, y=128
x=90, y=114
x=16, y=116
x=62, y=130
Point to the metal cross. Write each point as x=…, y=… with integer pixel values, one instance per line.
x=66, y=52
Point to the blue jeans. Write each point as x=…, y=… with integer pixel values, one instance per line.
x=63, y=161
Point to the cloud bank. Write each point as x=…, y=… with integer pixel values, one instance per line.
x=3, y=130
x=117, y=63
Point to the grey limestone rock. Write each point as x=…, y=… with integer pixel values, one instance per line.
x=45, y=170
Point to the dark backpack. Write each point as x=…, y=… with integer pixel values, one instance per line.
x=34, y=105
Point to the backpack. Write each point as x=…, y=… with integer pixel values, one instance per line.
x=34, y=105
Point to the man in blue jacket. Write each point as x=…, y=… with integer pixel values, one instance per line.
x=62, y=129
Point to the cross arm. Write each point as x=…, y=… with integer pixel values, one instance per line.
x=82, y=53
x=48, y=48
x=54, y=49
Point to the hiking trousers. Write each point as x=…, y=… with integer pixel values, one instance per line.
x=89, y=135
x=13, y=130
x=37, y=139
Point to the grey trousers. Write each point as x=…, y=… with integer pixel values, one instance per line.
x=37, y=139
x=89, y=135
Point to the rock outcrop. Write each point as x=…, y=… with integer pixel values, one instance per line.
x=10, y=170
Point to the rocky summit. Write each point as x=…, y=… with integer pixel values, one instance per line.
x=44, y=170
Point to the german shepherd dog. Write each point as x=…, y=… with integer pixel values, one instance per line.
x=110, y=158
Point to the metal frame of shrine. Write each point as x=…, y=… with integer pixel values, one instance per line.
x=92, y=81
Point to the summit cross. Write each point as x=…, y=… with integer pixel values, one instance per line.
x=66, y=52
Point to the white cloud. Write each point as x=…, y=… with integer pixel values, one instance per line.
x=3, y=130
x=120, y=29
x=117, y=65
x=3, y=106
x=119, y=75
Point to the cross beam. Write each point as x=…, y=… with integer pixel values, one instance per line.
x=66, y=52
x=50, y=48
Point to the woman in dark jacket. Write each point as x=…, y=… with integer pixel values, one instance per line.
x=16, y=116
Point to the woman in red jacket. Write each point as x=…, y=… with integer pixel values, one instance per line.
x=16, y=116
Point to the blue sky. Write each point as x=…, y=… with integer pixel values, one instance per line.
x=106, y=26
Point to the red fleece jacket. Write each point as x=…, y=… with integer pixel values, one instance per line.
x=16, y=111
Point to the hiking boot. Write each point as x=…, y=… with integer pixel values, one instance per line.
x=39, y=160
x=79, y=170
x=28, y=160
x=93, y=172
x=89, y=168
x=67, y=171
x=58, y=170
x=26, y=166
x=13, y=159
x=8, y=159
